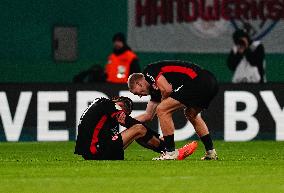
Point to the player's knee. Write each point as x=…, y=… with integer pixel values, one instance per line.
x=141, y=130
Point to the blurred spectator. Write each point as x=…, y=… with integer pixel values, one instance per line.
x=121, y=62
x=94, y=74
x=246, y=59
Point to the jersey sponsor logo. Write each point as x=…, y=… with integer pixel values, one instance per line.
x=115, y=130
x=151, y=77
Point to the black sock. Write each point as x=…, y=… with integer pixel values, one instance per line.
x=161, y=147
x=207, y=141
x=144, y=143
x=169, y=142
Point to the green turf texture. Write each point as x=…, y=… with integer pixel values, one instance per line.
x=256, y=166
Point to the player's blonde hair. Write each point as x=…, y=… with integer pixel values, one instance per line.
x=133, y=78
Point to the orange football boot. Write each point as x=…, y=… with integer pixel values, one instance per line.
x=187, y=150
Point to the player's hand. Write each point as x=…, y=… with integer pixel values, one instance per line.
x=121, y=117
x=242, y=45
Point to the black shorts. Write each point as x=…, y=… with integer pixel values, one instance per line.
x=108, y=148
x=198, y=92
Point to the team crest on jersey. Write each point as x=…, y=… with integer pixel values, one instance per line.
x=114, y=138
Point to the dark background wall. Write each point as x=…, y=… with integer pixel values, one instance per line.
x=26, y=40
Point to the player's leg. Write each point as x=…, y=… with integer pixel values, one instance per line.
x=132, y=133
x=151, y=141
x=192, y=114
x=164, y=112
x=112, y=147
x=144, y=136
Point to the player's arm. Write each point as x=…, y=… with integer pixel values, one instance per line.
x=164, y=86
x=149, y=113
x=125, y=120
x=117, y=113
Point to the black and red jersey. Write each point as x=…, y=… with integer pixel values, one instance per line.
x=98, y=121
x=176, y=72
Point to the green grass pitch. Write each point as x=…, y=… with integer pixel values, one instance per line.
x=256, y=166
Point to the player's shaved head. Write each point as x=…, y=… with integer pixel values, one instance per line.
x=138, y=85
x=133, y=79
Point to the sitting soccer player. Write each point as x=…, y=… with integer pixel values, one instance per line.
x=98, y=136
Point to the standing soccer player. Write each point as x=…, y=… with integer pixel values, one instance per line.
x=173, y=85
x=99, y=138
